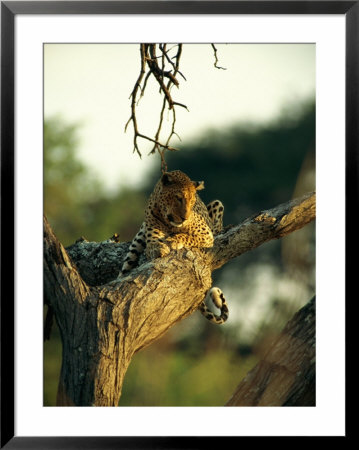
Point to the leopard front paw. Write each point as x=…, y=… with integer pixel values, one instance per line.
x=157, y=250
x=174, y=243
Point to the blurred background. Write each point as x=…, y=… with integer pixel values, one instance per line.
x=249, y=134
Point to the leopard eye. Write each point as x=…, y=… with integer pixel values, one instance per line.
x=179, y=198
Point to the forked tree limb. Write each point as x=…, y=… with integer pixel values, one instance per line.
x=105, y=320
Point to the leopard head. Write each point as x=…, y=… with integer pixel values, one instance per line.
x=178, y=195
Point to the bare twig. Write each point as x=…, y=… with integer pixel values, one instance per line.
x=216, y=59
x=169, y=60
x=133, y=99
x=164, y=70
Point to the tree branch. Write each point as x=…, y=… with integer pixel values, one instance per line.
x=260, y=228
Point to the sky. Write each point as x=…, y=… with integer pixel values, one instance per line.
x=90, y=84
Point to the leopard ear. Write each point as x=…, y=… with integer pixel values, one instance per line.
x=199, y=185
x=166, y=179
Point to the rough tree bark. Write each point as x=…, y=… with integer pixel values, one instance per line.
x=104, y=320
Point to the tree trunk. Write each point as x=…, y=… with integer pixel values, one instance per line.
x=104, y=320
x=286, y=375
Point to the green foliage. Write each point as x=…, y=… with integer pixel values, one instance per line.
x=75, y=201
x=155, y=379
x=68, y=186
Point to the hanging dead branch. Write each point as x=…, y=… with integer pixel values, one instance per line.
x=164, y=69
x=161, y=63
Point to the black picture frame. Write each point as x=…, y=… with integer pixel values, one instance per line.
x=9, y=9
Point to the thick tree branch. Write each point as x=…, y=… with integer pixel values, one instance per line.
x=260, y=228
x=105, y=320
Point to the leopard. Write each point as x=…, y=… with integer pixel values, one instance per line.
x=175, y=218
